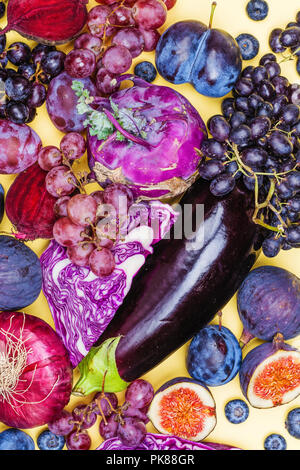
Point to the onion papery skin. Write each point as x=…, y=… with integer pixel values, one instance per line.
x=29, y=206
x=256, y=363
x=44, y=387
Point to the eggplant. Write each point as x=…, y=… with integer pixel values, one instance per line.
x=1, y=202
x=178, y=290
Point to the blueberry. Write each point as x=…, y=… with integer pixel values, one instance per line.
x=292, y=423
x=257, y=9
x=248, y=45
x=236, y=411
x=49, y=441
x=146, y=71
x=15, y=439
x=275, y=442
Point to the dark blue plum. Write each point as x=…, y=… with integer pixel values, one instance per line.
x=20, y=274
x=214, y=356
x=49, y=441
x=275, y=442
x=1, y=202
x=292, y=423
x=236, y=411
x=15, y=439
x=209, y=59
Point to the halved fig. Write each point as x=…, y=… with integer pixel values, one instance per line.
x=184, y=408
x=270, y=374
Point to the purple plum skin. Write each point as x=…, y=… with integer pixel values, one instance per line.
x=209, y=59
x=269, y=303
x=214, y=356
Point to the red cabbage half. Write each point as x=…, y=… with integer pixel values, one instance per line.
x=162, y=442
x=82, y=304
x=146, y=137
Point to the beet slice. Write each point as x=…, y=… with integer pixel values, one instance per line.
x=47, y=21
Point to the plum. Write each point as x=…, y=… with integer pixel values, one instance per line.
x=208, y=58
x=268, y=302
x=61, y=103
x=214, y=356
x=185, y=408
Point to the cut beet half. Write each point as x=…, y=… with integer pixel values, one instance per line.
x=269, y=376
x=184, y=408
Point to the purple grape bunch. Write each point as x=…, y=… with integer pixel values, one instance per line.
x=255, y=142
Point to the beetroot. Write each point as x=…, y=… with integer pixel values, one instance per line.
x=269, y=302
x=270, y=374
x=29, y=206
x=19, y=146
x=49, y=21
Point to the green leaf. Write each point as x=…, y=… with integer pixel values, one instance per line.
x=98, y=364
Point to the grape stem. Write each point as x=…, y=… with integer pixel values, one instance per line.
x=291, y=56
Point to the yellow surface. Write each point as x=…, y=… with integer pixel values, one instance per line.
x=231, y=16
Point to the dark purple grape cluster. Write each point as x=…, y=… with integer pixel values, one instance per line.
x=88, y=225
x=118, y=31
x=126, y=421
x=287, y=40
x=256, y=140
x=24, y=87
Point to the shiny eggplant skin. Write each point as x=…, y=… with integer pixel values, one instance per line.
x=179, y=290
x=1, y=202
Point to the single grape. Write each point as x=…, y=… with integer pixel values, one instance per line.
x=209, y=169
x=106, y=82
x=260, y=126
x=232, y=169
x=219, y=128
x=237, y=118
x=149, y=14
x=109, y=428
x=80, y=63
x=249, y=181
x=284, y=191
x=117, y=59
x=279, y=103
x=139, y=393
x=82, y=209
x=119, y=196
x=221, y=185
x=280, y=144
x=66, y=233
x=131, y=432
x=60, y=206
x=98, y=196
x=131, y=38
x=37, y=96
x=254, y=157
x=259, y=73
x=19, y=53
x=281, y=84
x=78, y=440
x=84, y=416
x=240, y=135
x=242, y=104
x=151, y=38
x=107, y=232
x=290, y=114
x=40, y=51
x=53, y=63
x=18, y=88
x=60, y=181
x=213, y=149
x=133, y=412
x=271, y=246
x=244, y=86
x=102, y=262
x=17, y=112
x=290, y=37
x=265, y=109
x=73, y=145
x=27, y=70
x=254, y=101
x=80, y=254
x=269, y=57
x=228, y=107
x=293, y=180
x=121, y=16
x=273, y=69
x=266, y=90
x=169, y=3
x=63, y=424
x=49, y=157
x=90, y=42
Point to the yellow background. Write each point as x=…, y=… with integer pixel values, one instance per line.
x=231, y=16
